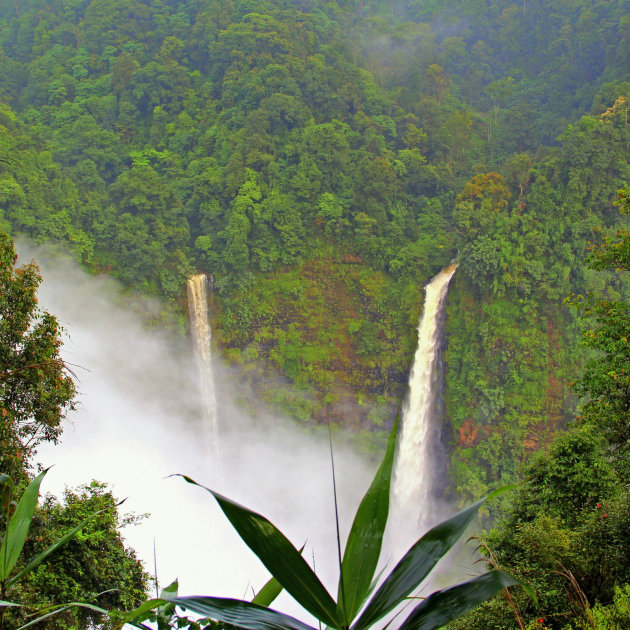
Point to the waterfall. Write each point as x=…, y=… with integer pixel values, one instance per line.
x=202, y=337
x=413, y=477
x=134, y=426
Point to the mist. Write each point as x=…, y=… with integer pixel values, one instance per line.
x=137, y=421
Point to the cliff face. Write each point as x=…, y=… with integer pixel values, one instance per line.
x=332, y=340
x=337, y=331
x=509, y=363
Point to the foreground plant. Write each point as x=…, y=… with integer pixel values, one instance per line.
x=18, y=517
x=358, y=572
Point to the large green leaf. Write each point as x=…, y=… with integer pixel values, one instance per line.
x=365, y=539
x=280, y=557
x=239, y=613
x=449, y=604
x=415, y=565
x=268, y=593
x=171, y=590
x=140, y=613
x=61, y=609
x=18, y=526
x=235, y=612
x=40, y=557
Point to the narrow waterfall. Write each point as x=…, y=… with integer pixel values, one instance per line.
x=202, y=336
x=413, y=477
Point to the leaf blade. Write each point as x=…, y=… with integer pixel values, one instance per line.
x=415, y=565
x=132, y=616
x=280, y=558
x=268, y=593
x=239, y=613
x=40, y=557
x=63, y=608
x=448, y=604
x=364, y=543
x=18, y=526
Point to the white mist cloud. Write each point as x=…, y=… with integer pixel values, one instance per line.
x=137, y=422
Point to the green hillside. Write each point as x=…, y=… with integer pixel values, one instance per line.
x=323, y=161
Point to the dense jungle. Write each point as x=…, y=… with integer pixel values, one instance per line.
x=323, y=161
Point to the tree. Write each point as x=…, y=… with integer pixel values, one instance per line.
x=605, y=384
x=481, y=218
x=93, y=566
x=566, y=530
x=90, y=567
x=565, y=534
x=36, y=390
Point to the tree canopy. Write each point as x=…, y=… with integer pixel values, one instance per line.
x=323, y=160
x=36, y=390
x=566, y=529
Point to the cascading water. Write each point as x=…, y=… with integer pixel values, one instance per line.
x=202, y=337
x=136, y=424
x=413, y=477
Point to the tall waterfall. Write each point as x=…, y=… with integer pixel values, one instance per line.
x=413, y=478
x=202, y=336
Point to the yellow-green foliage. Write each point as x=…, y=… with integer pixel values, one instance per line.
x=340, y=331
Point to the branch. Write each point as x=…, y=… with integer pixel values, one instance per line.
x=58, y=362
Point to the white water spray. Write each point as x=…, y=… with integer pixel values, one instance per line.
x=202, y=338
x=135, y=424
x=413, y=477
